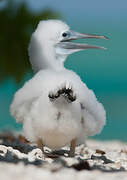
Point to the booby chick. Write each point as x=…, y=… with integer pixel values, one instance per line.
x=55, y=106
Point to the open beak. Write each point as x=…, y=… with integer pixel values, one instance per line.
x=68, y=45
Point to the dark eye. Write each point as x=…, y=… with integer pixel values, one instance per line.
x=64, y=34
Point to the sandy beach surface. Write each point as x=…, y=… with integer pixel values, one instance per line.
x=20, y=160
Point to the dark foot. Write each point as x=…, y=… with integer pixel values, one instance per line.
x=67, y=93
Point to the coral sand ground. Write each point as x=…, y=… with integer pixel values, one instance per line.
x=20, y=160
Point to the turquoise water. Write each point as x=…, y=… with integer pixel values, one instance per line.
x=104, y=71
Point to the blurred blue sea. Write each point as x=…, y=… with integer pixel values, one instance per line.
x=103, y=71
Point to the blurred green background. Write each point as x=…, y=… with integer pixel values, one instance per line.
x=104, y=71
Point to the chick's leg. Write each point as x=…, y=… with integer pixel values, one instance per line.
x=72, y=148
x=40, y=145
